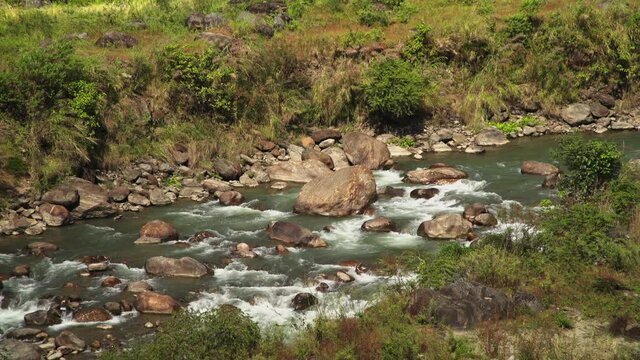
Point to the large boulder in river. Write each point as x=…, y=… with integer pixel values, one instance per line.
x=157, y=231
x=577, y=114
x=291, y=234
x=94, y=200
x=446, y=226
x=149, y=302
x=538, y=168
x=435, y=175
x=338, y=157
x=93, y=314
x=362, y=149
x=300, y=172
x=227, y=170
x=491, y=137
x=54, y=215
x=18, y=350
x=183, y=267
x=62, y=195
x=461, y=305
x=348, y=191
x=424, y=193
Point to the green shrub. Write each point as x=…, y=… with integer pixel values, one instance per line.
x=590, y=164
x=405, y=141
x=563, y=321
x=582, y=234
x=393, y=88
x=370, y=16
x=141, y=75
x=493, y=267
x=221, y=334
x=623, y=194
x=443, y=268
x=419, y=45
x=360, y=38
x=199, y=83
x=513, y=127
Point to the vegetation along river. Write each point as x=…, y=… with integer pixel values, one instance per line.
x=264, y=286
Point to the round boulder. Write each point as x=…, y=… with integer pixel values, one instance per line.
x=62, y=195
x=446, y=226
x=348, y=191
x=538, y=168
x=308, y=154
x=157, y=231
x=435, y=175
x=291, y=234
x=149, y=302
x=362, y=149
x=94, y=314
x=227, y=170
x=70, y=340
x=54, y=215
x=303, y=301
x=381, y=224
x=424, y=193
x=183, y=267
x=230, y=198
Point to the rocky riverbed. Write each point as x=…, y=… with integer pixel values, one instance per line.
x=290, y=231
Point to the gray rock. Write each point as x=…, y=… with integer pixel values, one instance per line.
x=577, y=114
x=70, y=340
x=621, y=125
x=138, y=199
x=117, y=39
x=491, y=137
x=157, y=197
x=598, y=110
x=19, y=350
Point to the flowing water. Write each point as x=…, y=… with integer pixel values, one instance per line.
x=264, y=286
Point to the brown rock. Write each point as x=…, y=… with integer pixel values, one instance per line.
x=538, y=168
x=119, y=194
x=183, y=267
x=70, y=340
x=291, y=234
x=41, y=248
x=424, y=193
x=54, y=215
x=266, y=145
x=62, y=195
x=309, y=154
x=229, y=198
x=365, y=150
x=157, y=231
x=300, y=172
x=138, y=286
x=281, y=250
x=117, y=39
x=319, y=136
x=348, y=191
x=149, y=302
x=94, y=200
x=307, y=142
x=21, y=270
x=92, y=315
x=438, y=176
x=110, y=281
x=381, y=224
x=446, y=226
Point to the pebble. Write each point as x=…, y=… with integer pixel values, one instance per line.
x=104, y=327
x=149, y=325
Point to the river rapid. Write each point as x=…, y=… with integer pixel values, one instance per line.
x=263, y=287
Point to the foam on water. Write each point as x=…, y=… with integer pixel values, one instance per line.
x=388, y=177
x=346, y=234
x=237, y=273
x=67, y=321
x=12, y=316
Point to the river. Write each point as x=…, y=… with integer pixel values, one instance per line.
x=263, y=287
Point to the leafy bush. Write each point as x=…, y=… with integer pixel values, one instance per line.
x=370, y=16
x=511, y=127
x=360, y=38
x=590, y=164
x=623, y=194
x=419, y=44
x=199, y=83
x=442, y=268
x=393, y=88
x=582, y=233
x=493, y=267
x=224, y=333
x=405, y=141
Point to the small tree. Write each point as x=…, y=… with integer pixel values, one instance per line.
x=393, y=88
x=590, y=164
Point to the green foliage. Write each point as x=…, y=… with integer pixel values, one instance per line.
x=493, y=267
x=393, y=88
x=513, y=127
x=590, y=164
x=584, y=232
x=369, y=14
x=223, y=333
x=563, y=321
x=86, y=103
x=361, y=38
x=623, y=194
x=443, y=268
x=199, y=83
x=419, y=44
x=141, y=75
x=174, y=181
x=405, y=141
